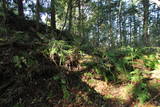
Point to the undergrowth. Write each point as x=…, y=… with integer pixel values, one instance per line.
x=126, y=64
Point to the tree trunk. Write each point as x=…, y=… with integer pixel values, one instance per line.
x=70, y=15
x=37, y=14
x=124, y=30
x=53, y=15
x=120, y=22
x=79, y=22
x=135, y=30
x=130, y=31
x=157, y=20
x=4, y=4
x=20, y=8
x=82, y=19
x=145, y=21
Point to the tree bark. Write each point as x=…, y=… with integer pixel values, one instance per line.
x=4, y=4
x=120, y=23
x=53, y=15
x=37, y=14
x=79, y=22
x=20, y=8
x=70, y=5
x=145, y=21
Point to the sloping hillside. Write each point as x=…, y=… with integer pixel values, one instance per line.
x=37, y=71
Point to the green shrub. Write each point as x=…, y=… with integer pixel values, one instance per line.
x=59, y=47
x=63, y=82
x=24, y=60
x=141, y=92
x=136, y=75
x=151, y=61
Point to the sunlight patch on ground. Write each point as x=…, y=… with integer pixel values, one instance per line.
x=121, y=92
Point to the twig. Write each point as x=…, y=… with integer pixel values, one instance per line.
x=153, y=98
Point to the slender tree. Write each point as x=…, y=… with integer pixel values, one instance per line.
x=4, y=4
x=145, y=21
x=37, y=14
x=70, y=5
x=53, y=15
x=20, y=8
x=80, y=19
x=120, y=22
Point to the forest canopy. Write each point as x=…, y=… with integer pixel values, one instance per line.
x=111, y=23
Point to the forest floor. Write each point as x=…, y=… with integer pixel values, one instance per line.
x=78, y=87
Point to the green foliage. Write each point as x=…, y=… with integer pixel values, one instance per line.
x=18, y=61
x=42, y=36
x=66, y=93
x=25, y=37
x=24, y=60
x=3, y=30
x=121, y=62
x=108, y=97
x=19, y=105
x=87, y=47
x=117, y=59
x=1, y=11
x=103, y=70
x=100, y=67
x=150, y=50
x=63, y=83
x=136, y=75
x=151, y=61
x=20, y=36
x=61, y=48
x=88, y=74
x=56, y=77
x=134, y=52
x=141, y=92
x=50, y=94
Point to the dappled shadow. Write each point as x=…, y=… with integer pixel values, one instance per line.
x=25, y=86
x=45, y=84
x=145, y=94
x=36, y=86
x=95, y=98
x=154, y=90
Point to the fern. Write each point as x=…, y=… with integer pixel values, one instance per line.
x=151, y=61
x=136, y=75
x=61, y=48
x=63, y=82
x=141, y=93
